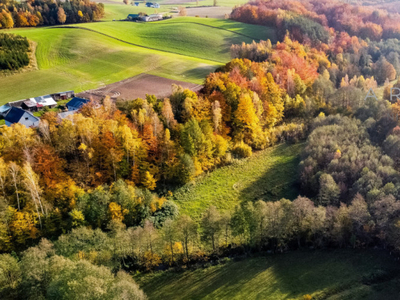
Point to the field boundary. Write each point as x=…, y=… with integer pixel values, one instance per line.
x=137, y=45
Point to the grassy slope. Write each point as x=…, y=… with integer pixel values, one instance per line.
x=80, y=60
x=183, y=37
x=269, y=175
x=331, y=275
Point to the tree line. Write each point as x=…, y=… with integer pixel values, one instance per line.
x=312, y=19
x=34, y=13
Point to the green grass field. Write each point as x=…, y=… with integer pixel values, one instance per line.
x=269, y=175
x=79, y=59
x=330, y=274
x=191, y=37
x=117, y=10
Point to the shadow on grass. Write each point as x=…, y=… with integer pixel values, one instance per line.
x=284, y=276
x=280, y=180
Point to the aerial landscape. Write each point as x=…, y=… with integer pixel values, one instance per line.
x=200, y=149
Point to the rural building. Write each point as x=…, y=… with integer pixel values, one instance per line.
x=63, y=95
x=18, y=115
x=44, y=101
x=136, y=4
x=76, y=103
x=146, y=18
x=153, y=5
x=30, y=105
x=153, y=17
x=133, y=17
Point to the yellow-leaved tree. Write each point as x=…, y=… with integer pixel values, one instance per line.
x=149, y=181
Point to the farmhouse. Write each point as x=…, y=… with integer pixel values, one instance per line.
x=76, y=103
x=18, y=115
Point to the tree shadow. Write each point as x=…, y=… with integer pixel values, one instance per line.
x=280, y=180
x=281, y=276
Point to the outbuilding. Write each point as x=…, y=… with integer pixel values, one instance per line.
x=18, y=115
x=76, y=103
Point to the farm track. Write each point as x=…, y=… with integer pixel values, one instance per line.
x=133, y=44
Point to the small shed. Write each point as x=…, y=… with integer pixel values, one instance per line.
x=18, y=115
x=29, y=105
x=76, y=103
x=63, y=95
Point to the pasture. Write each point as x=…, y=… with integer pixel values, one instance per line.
x=97, y=54
x=329, y=274
x=269, y=175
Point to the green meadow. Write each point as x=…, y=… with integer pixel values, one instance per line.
x=97, y=54
x=269, y=175
x=330, y=274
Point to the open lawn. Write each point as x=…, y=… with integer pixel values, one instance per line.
x=82, y=59
x=269, y=175
x=329, y=274
x=192, y=37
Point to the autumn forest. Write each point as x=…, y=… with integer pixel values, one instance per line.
x=94, y=193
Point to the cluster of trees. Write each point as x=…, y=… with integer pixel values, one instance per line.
x=312, y=18
x=341, y=161
x=351, y=42
x=323, y=79
x=36, y=13
x=102, y=163
x=250, y=227
x=42, y=274
x=13, y=52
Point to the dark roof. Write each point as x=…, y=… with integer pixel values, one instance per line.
x=14, y=115
x=133, y=16
x=77, y=102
